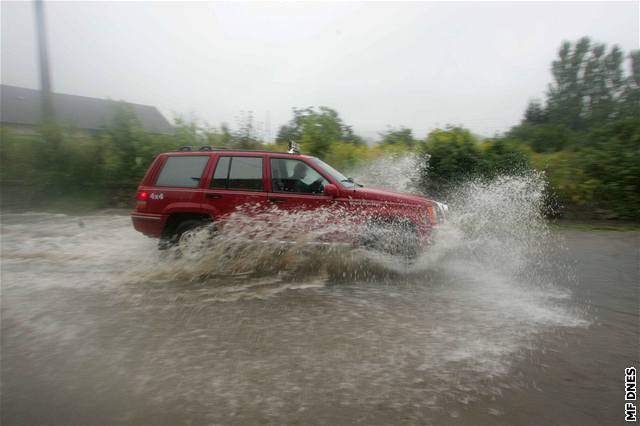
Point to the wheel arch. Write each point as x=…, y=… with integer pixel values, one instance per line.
x=175, y=219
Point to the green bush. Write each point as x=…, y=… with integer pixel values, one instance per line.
x=595, y=173
x=611, y=161
x=504, y=157
x=544, y=137
x=602, y=179
x=448, y=157
x=56, y=162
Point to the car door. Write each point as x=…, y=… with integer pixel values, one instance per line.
x=237, y=182
x=297, y=191
x=296, y=185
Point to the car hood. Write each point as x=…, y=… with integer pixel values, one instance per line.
x=384, y=195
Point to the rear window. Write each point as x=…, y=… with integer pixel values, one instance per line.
x=183, y=172
x=242, y=173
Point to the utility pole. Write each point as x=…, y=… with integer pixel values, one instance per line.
x=43, y=57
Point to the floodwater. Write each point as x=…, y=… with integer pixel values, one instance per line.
x=502, y=321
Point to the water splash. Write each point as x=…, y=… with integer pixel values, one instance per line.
x=499, y=222
x=396, y=172
x=360, y=325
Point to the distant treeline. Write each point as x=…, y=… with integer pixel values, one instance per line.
x=585, y=136
x=586, y=133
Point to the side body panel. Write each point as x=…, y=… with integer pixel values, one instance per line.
x=162, y=201
x=219, y=203
x=351, y=204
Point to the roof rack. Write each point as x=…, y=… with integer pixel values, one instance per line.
x=293, y=149
x=202, y=148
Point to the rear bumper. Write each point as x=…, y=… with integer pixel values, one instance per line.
x=149, y=224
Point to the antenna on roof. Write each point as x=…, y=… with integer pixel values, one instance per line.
x=294, y=148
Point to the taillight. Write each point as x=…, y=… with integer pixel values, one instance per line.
x=141, y=200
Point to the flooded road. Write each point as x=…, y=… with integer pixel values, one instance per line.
x=489, y=327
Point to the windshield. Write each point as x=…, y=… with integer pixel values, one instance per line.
x=344, y=181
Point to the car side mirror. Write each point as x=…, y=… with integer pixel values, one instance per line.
x=330, y=190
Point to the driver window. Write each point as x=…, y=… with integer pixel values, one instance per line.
x=295, y=176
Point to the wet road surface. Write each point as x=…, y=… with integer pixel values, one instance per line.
x=99, y=328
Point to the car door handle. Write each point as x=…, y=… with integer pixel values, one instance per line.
x=277, y=200
x=213, y=196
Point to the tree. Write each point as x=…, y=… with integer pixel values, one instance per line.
x=589, y=90
x=611, y=165
x=188, y=133
x=543, y=137
x=349, y=136
x=535, y=113
x=630, y=105
x=588, y=85
x=221, y=138
x=245, y=137
x=566, y=93
x=401, y=136
x=604, y=84
x=287, y=134
x=504, y=157
x=447, y=158
x=126, y=136
x=317, y=129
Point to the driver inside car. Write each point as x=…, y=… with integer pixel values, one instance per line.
x=299, y=173
x=297, y=181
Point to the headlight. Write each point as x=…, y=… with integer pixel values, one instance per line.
x=432, y=215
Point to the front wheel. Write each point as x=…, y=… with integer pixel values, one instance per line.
x=186, y=235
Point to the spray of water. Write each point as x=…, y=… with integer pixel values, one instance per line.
x=317, y=246
x=397, y=172
x=486, y=285
x=496, y=244
x=260, y=243
x=496, y=225
x=444, y=325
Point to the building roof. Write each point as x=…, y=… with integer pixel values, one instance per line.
x=22, y=107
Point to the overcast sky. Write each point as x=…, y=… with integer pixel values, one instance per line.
x=419, y=65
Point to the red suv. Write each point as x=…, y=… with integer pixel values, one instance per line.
x=188, y=188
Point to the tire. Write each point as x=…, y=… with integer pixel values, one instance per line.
x=182, y=233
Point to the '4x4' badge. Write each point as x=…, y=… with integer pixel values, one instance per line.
x=155, y=196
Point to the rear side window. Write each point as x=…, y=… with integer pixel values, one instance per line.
x=221, y=174
x=183, y=172
x=243, y=173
